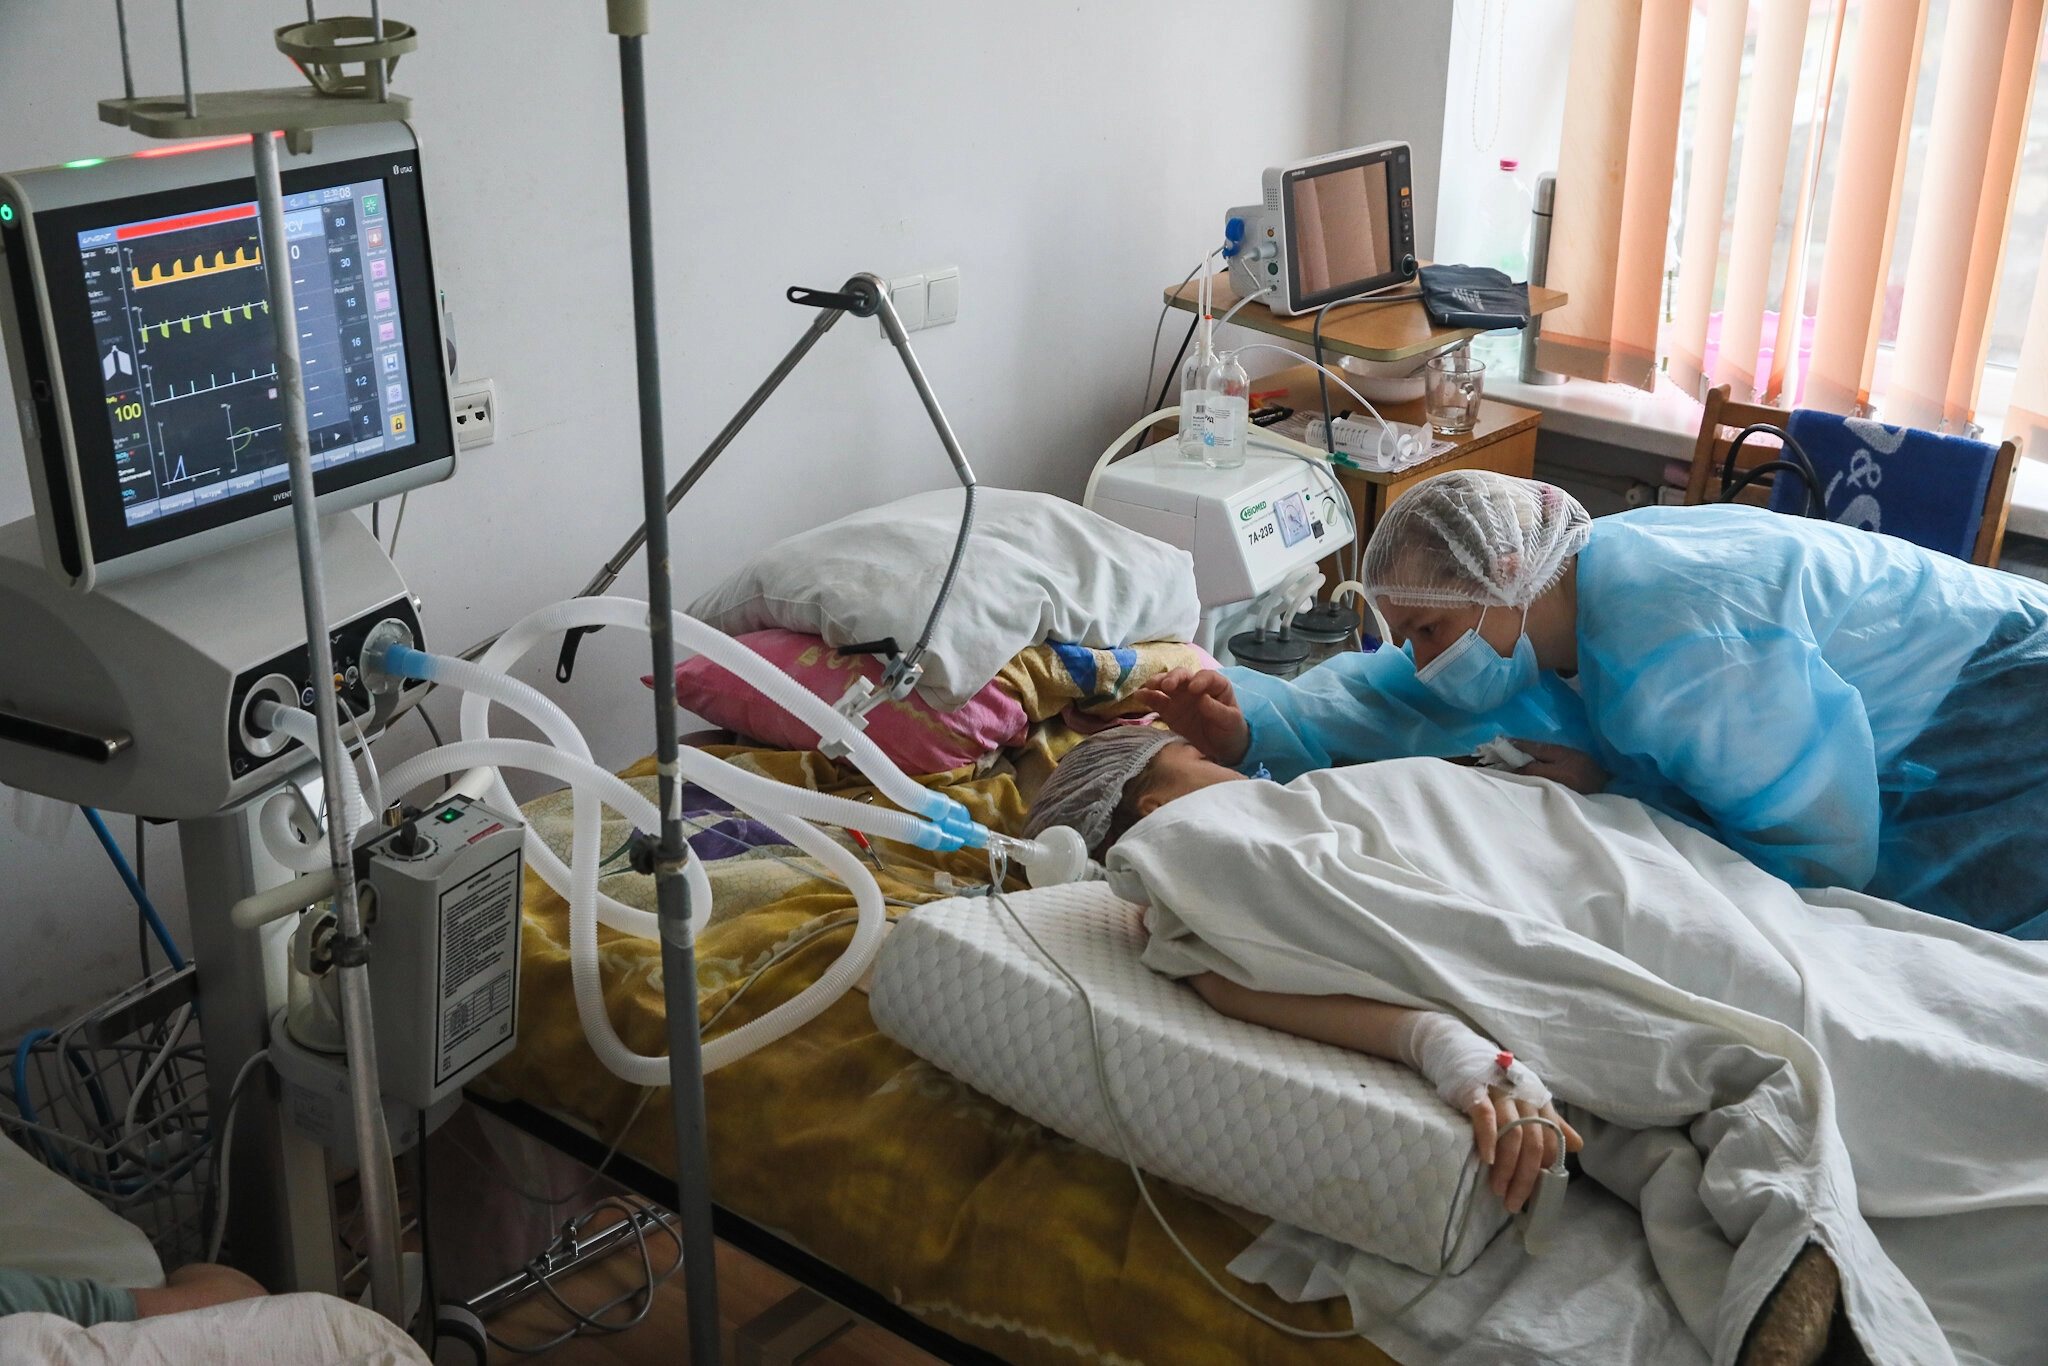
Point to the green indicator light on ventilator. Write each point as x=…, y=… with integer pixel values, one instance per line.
x=83, y=162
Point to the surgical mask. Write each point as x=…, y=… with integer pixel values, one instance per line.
x=1473, y=677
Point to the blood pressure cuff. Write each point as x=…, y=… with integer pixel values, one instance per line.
x=1473, y=296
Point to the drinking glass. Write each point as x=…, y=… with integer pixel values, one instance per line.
x=1452, y=386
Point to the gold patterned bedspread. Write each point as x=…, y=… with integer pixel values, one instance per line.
x=970, y=1216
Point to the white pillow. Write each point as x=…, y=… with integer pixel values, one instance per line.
x=1037, y=567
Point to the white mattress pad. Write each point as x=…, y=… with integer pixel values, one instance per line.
x=1336, y=1142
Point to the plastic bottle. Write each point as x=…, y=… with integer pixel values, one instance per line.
x=1215, y=408
x=1504, y=216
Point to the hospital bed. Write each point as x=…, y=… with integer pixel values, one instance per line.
x=849, y=1162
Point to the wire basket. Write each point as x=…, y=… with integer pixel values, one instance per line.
x=115, y=1102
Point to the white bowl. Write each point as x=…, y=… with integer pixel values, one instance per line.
x=1386, y=381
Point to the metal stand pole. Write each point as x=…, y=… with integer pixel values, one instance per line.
x=678, y=959
x=373, y=1143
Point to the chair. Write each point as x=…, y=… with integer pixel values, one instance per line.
x=1722, y=418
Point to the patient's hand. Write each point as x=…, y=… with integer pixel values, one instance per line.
x=1518, y=1156
x=1201, y=707
x=199, y=1285
x=1575, y=768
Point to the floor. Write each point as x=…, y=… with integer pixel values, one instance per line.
x=499, y=1196
x=748, y=1291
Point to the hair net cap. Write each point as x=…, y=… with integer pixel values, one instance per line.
x=1473, y=536
x=1087, y=784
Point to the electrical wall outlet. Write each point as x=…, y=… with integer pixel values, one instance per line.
x=475, y=402
x=906, y=296
x=942, y=296
x=931, y=299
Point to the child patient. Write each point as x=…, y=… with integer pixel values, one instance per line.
x=1108, y=784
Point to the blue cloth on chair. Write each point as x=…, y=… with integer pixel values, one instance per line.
x=1919, y=486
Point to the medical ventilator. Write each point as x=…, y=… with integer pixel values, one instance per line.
x=158, y=617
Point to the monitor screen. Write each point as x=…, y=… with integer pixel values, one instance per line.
x=1342, y=232
x=1349, y=220
x=188, y=355
x=144, y=352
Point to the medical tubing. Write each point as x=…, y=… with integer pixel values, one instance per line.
x=482, y=686
x=303, y=727
x=1108, y=457
x=142, y=901
x=1152, y=357
x=736, y=785
x=714, y=775
x=736, y=658
x=275, y=825
x=1231, y=312
x=931, y=622
x=174, y=1030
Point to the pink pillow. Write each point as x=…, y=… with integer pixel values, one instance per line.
x=917, y=737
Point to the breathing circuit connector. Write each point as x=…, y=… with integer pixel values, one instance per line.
x=394, y=660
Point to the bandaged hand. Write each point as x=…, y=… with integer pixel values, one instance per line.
x=1466, y=1070
x=1461, y=1065
x=1201, y=708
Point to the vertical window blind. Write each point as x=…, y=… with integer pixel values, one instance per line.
x=1815, y=202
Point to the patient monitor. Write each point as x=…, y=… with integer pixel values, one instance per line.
x=154, y=596
x=1326, y=229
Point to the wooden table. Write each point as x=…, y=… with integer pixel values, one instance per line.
x=1383, y=330
x=1504, y=440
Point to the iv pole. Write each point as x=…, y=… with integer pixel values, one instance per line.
x=629, y=19
x=299, y=111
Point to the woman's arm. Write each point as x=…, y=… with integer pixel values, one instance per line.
x=1386, y=1031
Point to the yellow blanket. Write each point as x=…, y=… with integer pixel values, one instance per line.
x=975, y=1219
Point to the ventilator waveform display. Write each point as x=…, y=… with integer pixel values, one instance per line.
x=188, y=351
x=244, y=258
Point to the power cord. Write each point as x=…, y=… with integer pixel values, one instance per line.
x=225, y=1152
x=592, y=1323
x=430, y=1299
x=142, y=881
x=536, y=1197
x=1464, y=1199
x=1152, y=358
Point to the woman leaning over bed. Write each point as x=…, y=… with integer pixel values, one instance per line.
x=1844, y=709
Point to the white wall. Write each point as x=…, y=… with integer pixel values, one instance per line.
x=1069, y=159
x=1397, y=60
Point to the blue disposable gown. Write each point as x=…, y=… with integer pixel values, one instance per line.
x=1843, y=708
x=1360, y=707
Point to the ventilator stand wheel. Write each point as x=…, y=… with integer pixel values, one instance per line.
x=454, y=1324
x=1281, y=654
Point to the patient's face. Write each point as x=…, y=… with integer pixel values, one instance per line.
x=1176, y=771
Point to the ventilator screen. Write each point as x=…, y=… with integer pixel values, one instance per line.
x=188, y=354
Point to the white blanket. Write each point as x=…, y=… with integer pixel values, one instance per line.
x=1773, y=1067
x=283, y=1330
